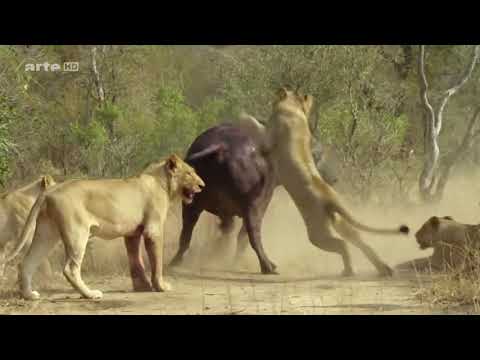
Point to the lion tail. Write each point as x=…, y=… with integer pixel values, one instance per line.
x=336, y=208
x=28, y=229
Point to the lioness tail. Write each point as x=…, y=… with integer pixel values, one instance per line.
x=336, y=208
x=28, y=230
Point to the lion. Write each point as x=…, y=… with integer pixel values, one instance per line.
x=287, y=138
x=456, y=246
x=14, y=209
x=77, y=210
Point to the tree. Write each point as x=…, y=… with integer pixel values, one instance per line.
x=432, y=181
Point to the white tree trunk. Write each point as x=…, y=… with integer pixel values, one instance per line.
x=98, y=80
x=434, y=121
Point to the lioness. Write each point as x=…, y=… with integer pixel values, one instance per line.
x=287, y=139
x=14, y=208
x=455, y=246
x=108, y=209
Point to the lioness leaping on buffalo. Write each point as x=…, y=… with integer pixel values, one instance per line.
x=14, y=209
x=287, y=139
x=108, y=209
x=456, y=246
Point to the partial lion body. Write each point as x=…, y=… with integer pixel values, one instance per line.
x=15, y=207
x=110, y=208
x=76, y=210
x=287, y=139
x=456, y=246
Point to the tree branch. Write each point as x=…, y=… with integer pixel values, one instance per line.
x=454, y=89
x=424, y=85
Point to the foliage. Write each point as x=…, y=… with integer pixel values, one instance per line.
x=159, y=98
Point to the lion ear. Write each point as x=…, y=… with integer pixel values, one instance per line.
x=172, y=162
x=282, y=93
x=448, y=218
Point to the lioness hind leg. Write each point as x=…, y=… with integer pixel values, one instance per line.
x=41, y=246
x=326, y=241
x=354, y=237
x=75, y=246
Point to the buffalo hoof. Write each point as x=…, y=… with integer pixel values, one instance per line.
x=177, y=261
x=270, y=270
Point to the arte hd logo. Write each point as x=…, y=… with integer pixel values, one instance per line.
x=68, y=66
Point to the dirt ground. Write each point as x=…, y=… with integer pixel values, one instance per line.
x=309, y=281
x=229, y=293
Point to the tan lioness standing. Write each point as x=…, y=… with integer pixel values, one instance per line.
x=107, y=209
x=14, y=209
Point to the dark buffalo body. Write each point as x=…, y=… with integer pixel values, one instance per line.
x=239, y=182
x=232, y=168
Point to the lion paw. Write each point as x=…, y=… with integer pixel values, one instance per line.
x=32, y=295
x=162, y=286
x=95, y=295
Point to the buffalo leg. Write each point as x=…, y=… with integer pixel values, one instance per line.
x=137, y=269
x=190, y=218
x=261, y=205
x=227, y=226
x=253, y=223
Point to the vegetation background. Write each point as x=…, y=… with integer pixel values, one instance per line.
x=128, y=105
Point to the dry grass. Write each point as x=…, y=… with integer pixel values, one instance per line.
x=456, y=286
x=448, y=291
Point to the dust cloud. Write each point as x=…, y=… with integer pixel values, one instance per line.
x=286, y=242
x=285, y=237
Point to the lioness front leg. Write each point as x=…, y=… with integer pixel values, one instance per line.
x=355, y=239
x=154, y=247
